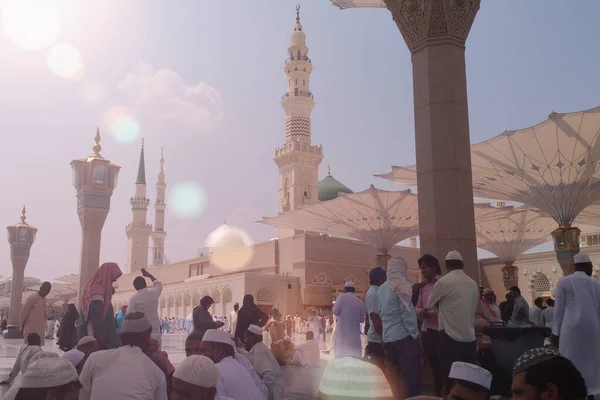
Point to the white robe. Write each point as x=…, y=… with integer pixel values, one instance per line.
x=315, y=326
x=235, y=381
x=255, y=378
x=307, y=354
x=146, y=301
x=577, y=323
x=351, y=313
x=267, y=367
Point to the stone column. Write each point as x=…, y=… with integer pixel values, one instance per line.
x=435, y=32
x=19, y=255
x=92, y=222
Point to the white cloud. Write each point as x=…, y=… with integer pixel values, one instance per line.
x=164, y=103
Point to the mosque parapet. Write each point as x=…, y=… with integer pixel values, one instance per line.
x=307, y=148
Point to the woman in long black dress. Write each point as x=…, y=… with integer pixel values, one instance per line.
x=67, y=334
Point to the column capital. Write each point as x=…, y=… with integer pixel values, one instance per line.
x=92, y=218
x=428, y=22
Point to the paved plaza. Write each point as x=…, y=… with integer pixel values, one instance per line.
x=300, y=383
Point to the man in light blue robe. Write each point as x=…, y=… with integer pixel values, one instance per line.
x=350, y=312
x=577, y=321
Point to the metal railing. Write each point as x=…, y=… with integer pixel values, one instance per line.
x=301, y=58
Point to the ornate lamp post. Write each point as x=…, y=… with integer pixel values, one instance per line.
x=566, y=245
x=20, y=237
x=95, y=179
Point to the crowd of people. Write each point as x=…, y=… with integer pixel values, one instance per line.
x=110, y=355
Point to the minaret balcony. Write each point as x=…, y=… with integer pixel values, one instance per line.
x=298, y=93
x=296, y=146
x=139, y=203
x=301, y=58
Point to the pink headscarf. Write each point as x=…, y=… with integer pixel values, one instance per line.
x=487, y=304
x=100, y=285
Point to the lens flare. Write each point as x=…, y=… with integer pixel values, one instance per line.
x=31, y=24
x=123, y=126
x=187, y=200
x=65, y=61
x=230, y=248
x=93, y=93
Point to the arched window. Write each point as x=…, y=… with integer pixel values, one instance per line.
x=264, y=296
x=227, y=295
x=541, y=283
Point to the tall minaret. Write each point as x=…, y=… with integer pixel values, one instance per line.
x=159, y=234
x=138, y=231
x=298, y=160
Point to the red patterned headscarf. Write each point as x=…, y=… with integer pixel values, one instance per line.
x=100, y=285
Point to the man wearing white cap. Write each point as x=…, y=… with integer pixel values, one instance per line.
x=264, y=363
x=234, y=380
x=49, y=378
x=468, y=382
x=455, y=296
x=126, y=372
x=196, y=378
x=577, y=321
x=350, y=313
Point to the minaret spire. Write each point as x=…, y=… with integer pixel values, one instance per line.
x=159, y=234
x=141, y=174
x=298, y=14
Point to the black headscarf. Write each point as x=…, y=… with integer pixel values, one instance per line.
x=248, y=315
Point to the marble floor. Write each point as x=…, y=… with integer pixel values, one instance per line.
x=300, y=383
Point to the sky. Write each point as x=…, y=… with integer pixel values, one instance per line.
x=204, y=79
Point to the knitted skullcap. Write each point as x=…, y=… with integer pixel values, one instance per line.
x=198, y=370
x=136, y=323
x=257, y=330
x=49, y=372
x=349, y=377
x=215, y=335
x=471, y=373
x=74, y=356
x=533, y=357
x=86, y=340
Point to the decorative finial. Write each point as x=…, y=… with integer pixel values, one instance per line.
x=23, y=216
x=328, y=169
x=162, y=157
x=142, y=143
x=298, y=14
x=96, y=148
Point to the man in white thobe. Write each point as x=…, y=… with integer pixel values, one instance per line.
x=145, y=300
x=547, y=319
x=350, y=312
x=577, y=321
x=307, y=354
x=232, y=321
x=264, y=363
x=126, y=372
x=234, y=381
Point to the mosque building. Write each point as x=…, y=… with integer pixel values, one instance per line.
x=292, y=272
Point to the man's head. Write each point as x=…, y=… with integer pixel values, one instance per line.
x=139, y=283
x=489, y=295
x=454, y=260
x=33, y=339
x=550, y=302
x=429, y=266
x=192, y=343
x=236, y=306
x=254, y=335
x=206, y=302
x=88, y=345
x=136, y=331
x=584, y=264
x=539, y=302
x=467, y=382
x=155, y=343
x=216, y=345
x=45, y=289
x=49, y=378
x=543, y=374
x=124, y=309
x=377, y=276
x=349, y=287
x=515, y=292
x=310, y=335
x=195, y=378
x=508, y=296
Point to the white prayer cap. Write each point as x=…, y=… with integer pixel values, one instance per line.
x=471, y=373
x=86, y=340
x=215, y=335
x=49, y=372
x=136, y=323
x=353, y=378
x=198, y=370
x=74, y=356
x=453, y=255
x=257, y=330
x=287, y=339
x=582, y=258
x=349, y=284
x=157, y=337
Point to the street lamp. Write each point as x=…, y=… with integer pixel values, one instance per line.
x=20, y=237
x=95, y=179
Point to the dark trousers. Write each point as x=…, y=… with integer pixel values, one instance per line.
x=452, y=351
x=430, y=343
x=403, y=357
x=374, y=353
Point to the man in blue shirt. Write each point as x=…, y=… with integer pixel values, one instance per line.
x=119, y=317
x=396, y=322
x=374, y=349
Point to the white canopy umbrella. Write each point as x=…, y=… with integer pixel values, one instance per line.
x=344, y=4
x=377, y=217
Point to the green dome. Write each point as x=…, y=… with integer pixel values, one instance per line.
x=329, y=188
